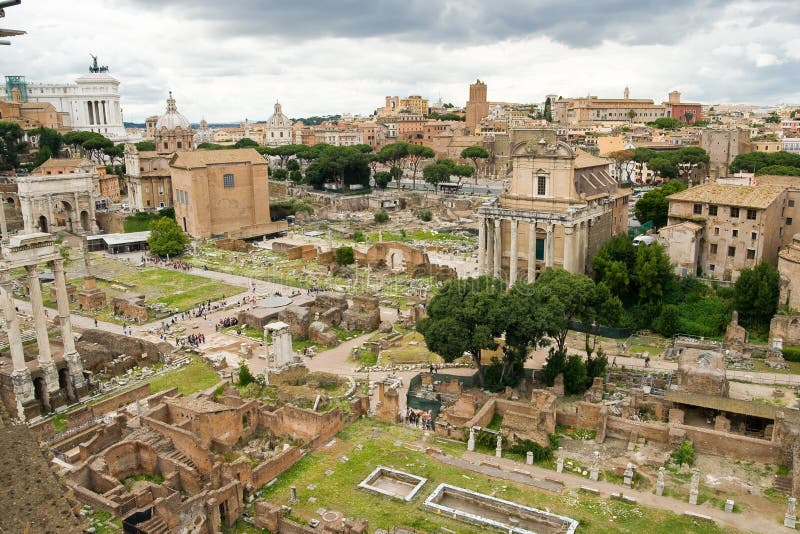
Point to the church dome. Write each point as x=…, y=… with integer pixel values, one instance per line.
x=172, y=118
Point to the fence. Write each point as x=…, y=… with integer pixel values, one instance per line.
x=600, y=330
x=634, y=231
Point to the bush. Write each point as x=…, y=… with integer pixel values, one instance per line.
x=791, y=354
x=683, y=454
x=575, y=375
x=245, y=376
x=381, y=216
x=425, y=215
x=344, y=256
x=359, y=237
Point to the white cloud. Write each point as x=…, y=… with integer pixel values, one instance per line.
x=233, y=64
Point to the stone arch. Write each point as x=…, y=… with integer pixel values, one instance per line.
x=40, y=393
x=43, y=224
x=85, y=224
x=69, y=214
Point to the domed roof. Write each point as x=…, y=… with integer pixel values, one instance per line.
x=172, y=118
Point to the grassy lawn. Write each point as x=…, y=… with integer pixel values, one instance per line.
x=339, y=492
x=411, y=349
x=194, y=377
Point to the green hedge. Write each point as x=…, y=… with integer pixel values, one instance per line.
x=791, y=354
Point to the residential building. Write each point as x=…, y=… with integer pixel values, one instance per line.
x=740, y=226
x=688, y=112
x=791, y=144
x=723, y=146
x=414, y=104
x=148, y=177
x=766, y=145
x=92, y=103
x=222, y=193
x=566, y=202
x=31, y=115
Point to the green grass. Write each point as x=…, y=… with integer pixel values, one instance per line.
x=339, y=491
x=59, y=423
x=254, y=333
x=497, y=420
x=194, y=377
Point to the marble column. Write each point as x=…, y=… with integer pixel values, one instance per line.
x=498, y=249
x=50, y=213
x=97, y=112
x=512, y=255
x=489, y=247
x=71, y=356
x=46, y=363
x=21, y=375
x=3, y=225
x=27, y=220
x=548, y=246
x=531, y=252
x=481, y=246
x=569, y=244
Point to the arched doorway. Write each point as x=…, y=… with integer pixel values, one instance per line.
x=65, y=384
x=85, y=220
x=40, y=394
x=69, y=214
x=43, y=224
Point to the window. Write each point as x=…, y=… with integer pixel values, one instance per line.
x=180, y=145
x=711, y=266
x=735, y=233
x=791, y=203
x=734, y=213
x=731, y=252
x=789, y=221
x=753, y=236
x=541, y=185
x=697, y=209
x=166, y=145
x=160, y=189
x=227, y=180
x=716, y=230
x=712, y=210
x=751, y=254
x=751, y=215
x=713, y=249
x=147, y=189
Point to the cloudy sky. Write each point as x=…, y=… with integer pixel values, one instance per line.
x=230, y=60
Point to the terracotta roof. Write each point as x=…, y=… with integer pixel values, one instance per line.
x=65, y=162
x=584, y=159
x=203, y=158
x=772, y=179
x=731, y=195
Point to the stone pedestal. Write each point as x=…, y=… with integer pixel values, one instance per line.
x=471, y=441
x=627, y=477
x=660, y=482
x=529, y=458
x=27, y=407
x=729, y=505
x=695, y=488
x=293, y=495
x=790, y=519
x=594, y=471
x=559, y=465
x=498, y=452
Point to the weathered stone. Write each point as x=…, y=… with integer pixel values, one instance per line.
x=318, y=333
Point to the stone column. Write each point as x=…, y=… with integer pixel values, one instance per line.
x=498, y=249
x=594, y=471
x=71, y=355
x=3, y=225
x=76, y=216
x=471, y=440
x=569, y=243
x=21, y=376
x=27, y=220
x=50, y=213
x=512, y=255
x=46, y=364
x=97, y=112
x=531, y=251
x=694, y=490
x=790, y=519
x=489, y=251
x=481, y=246
x=548, y=246
x=660, y=482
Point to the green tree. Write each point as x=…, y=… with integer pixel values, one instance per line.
x=441, y=170
x=42, y=155
x=359, y=237
x=668, y=321
x=344, y=256
x=527, y=321
x=284, y=152
x=245, y=142
x=245, y=376
x=295, y=176
x=778, y=170
x=465, y=316
x=564, y=297
x=683, y=454
x=548, y=110
x=11, y=144
x=49, y=138
x=279, y=175
x=341, y=165
x=666, y=123
x=145, y=146
x=381, y=216
x=576, y=377
x=475, y=153
x=166, y=238
x=382, y=179
x=425, y=215
x=653, y=272
x=631, y=115
x=417, y=153
x=773, y=118
x=393, y=155
x=654, y=206
x=292, y=165
x=366, y=149
x=755, y=295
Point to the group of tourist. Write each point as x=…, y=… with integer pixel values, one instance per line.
x=227, y=322
x=419, y=419
x=161, y=262
x=194, y=340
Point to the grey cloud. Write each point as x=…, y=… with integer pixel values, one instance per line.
x=577, y=23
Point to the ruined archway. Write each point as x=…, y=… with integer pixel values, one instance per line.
x=85, y=220
x=68, y=213
x=43, y=226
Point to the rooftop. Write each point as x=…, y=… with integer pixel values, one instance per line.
x=203, y=158
x=733, y=195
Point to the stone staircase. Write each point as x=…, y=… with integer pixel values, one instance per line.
x=154, y=525
x=782, y=484
x=181, y=458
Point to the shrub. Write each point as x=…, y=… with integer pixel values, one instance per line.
x=344, y=256
x=683, y=454
x=359, y=237
x=245, y=376
x=791, y=354
x=381, y=216
x=425, y=215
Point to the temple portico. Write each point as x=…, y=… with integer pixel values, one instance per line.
x=40, y=386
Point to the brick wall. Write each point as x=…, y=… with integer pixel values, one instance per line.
x=732, y=445
x=117, y=401
x=270, y=469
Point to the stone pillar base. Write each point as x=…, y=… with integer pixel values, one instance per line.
x=75, y=367
x=790, y=521
x=693, y=497
x=24, y=394
x=659, y=489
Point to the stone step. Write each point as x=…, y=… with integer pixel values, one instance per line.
x=154, y=525
x=782, y=484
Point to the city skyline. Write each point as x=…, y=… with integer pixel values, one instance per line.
x=230, y=62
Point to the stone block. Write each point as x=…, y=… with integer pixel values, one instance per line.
x=318, y=333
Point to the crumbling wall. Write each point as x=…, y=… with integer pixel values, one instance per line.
x=364, y=314
x=131, y=308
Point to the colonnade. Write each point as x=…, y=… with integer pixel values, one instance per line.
x=490, y=246
x=24, y=391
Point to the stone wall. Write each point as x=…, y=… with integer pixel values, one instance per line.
x=131, y=308
x=306, y=425
x=599, y=233
x=786, y=327
x=274, y=467
x=364, y=314
x=185, y=442
x=302, y=252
